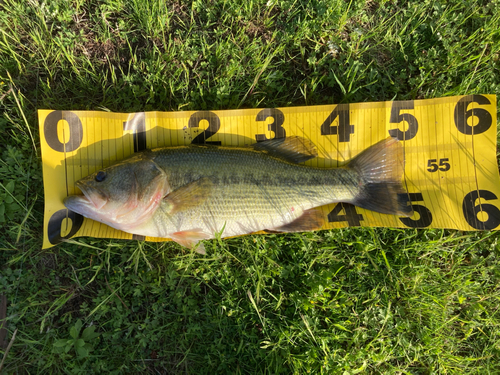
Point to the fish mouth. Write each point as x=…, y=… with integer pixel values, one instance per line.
x=92, y=199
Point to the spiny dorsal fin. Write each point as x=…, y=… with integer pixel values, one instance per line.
x=189, y=196
x=293, y=149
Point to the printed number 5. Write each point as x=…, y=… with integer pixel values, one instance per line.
x=443, y=165
x=425, y=214
x=398, y=117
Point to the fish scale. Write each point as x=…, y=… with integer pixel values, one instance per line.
x=190, y=193
x=251, y=189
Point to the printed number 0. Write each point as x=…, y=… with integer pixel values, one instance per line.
x=471, y=210
x=55, y=222
x=75, y=135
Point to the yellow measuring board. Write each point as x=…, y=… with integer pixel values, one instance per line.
x=450, y=150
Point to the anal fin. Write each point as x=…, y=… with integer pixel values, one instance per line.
x=312, y=219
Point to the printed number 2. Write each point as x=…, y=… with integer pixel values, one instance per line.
x=443, y=165
x=213, y=127
x=397, y=117
x=344, y=129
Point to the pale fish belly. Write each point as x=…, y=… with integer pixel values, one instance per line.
x=241, y=207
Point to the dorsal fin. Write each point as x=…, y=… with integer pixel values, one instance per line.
x=294, y=149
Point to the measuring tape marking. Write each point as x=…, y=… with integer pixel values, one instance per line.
x=467, y=117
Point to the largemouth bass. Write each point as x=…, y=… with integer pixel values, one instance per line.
x=190, y=193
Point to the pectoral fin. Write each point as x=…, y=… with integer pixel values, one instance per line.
x=189, y=196
x=190, y=239
x=312, y=219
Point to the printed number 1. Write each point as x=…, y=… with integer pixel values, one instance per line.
x=138, y=126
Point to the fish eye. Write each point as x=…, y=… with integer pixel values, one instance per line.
x=100, y=176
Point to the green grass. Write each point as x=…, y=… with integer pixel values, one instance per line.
x=348, y=301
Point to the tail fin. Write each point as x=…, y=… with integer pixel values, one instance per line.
x=381, y=169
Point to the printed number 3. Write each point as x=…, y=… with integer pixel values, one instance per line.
x=276, y=126
x=443, y=165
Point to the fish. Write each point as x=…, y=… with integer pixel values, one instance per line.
x=191, y=193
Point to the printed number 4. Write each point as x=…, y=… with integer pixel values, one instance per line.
x=351, y=216
x=443, y=165
x=344, y=129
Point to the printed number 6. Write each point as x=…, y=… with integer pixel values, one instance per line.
x=471, y=210
x=462, y=114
